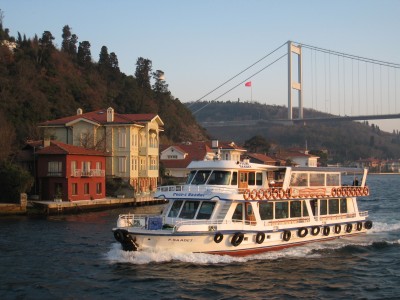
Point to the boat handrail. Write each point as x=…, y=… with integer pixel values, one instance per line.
x=198, y=188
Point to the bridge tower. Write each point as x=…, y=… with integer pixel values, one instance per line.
x=297, y=85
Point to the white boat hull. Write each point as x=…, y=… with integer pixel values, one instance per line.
x=205, y=242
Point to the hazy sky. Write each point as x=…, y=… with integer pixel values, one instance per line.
x=201, y=44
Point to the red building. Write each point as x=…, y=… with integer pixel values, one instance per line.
x=70, y=173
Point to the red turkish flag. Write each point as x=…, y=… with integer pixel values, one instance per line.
x=248, y=83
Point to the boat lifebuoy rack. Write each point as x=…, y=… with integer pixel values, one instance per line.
x=237, y=239
x=218, y=237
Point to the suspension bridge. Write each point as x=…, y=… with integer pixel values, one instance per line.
x=345, y=87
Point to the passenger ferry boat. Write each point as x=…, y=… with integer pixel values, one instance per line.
x=242, y=208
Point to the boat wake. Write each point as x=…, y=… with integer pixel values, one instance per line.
x=378, y=237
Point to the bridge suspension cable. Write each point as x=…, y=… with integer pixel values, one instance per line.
x=233, y=77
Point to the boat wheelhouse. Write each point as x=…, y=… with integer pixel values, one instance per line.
x=242, y=208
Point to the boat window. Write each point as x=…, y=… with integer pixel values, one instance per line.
x=220, y=178
x=343, y=206
x=190, y=177
x=206, y=210
x=332, y=179
x=333, y=206
x=252, y=178
x=323, y=209
x=299, y=179
x=234, y=178
x=305, y=210
x=259, y=178
x=189, y=209
x=201, y=177
x=317, y=179
x=176, y=206
x=238, y=213
x=281, y=210
x=295, y=209
x=266, y=210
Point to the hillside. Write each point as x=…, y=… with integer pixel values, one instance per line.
x=345, y=141
x=39, y=82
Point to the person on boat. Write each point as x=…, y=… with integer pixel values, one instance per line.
x=355, y=182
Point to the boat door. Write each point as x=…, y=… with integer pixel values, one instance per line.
x=243, y=180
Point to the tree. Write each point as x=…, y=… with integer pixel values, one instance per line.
x=104, y=58
x=114, y=61
x=69, y=41
x=159, y=85
x=142, y=73
x=7, y=133
x=14, y=180
x=257, y=144
x=84, y=54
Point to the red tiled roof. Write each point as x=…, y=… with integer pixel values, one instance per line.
x=100, y=116
x=261, y=157
x=64, y=149
x=195, y=151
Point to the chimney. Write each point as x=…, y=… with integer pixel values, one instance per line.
x=79, y=111
x=46, y=141
x=214, y=144
x=110, y=114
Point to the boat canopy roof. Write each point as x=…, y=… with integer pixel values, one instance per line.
x=230, y=164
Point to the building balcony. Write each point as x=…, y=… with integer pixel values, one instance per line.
x=88, y=173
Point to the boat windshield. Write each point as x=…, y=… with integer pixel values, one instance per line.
x=220, y=178
x=201, y=177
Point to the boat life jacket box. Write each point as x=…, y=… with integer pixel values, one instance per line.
x=154, y=223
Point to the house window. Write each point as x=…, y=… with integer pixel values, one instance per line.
x=142, y=164
x=122, y=164
x=98, y=165
x=54, y=168
x=122, y=138
x=98, y=188
x=172, y=156
x=74, y=165
x=86, y=188
x=153, y=163
x=86, y=168
x=134, y=163
x=74, y=189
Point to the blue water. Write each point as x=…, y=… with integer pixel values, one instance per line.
x=76, y=257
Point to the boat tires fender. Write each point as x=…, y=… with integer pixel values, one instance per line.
x=315, y=230
x=368, y=224
x=260, y=237
x=359, y=226
x=237, y=239
x=218, y=237
x=338, y=228
x=286, y=235
x=349, y=228
x=302, y=232
x=326, y=230
x=119, y=235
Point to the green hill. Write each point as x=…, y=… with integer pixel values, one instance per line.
x=39, y=82
x=345, y=141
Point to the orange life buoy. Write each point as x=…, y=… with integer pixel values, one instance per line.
x=281, y=194
x=260, y=194
x=288, y=193
x=339, y=191
x=366, y=191
x=268, y=194
x=246, y=194
x=333, y=192
x=275, y=193
x=253, y=194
